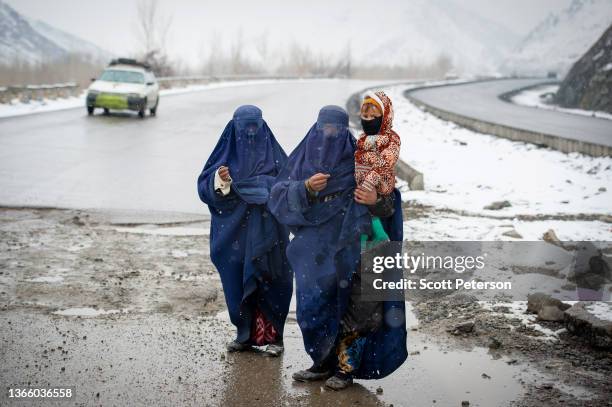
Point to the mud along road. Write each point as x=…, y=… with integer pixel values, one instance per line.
x=130, y=312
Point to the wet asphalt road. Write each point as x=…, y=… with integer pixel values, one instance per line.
x=67, y=159
x=161, y=360
x=480, y=100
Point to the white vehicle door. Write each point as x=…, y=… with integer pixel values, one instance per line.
x=152, y=89
x=155, y=90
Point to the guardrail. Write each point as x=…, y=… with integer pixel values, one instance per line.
x=559, y=143
x=27, y=93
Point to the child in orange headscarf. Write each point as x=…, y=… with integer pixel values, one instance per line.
x=377, y=151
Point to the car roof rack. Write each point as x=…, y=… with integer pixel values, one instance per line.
x=129, y=61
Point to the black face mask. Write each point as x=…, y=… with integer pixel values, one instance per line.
x=371, y=127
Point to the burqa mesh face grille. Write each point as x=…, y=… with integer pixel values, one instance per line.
x=248, y=120
x=248, y=126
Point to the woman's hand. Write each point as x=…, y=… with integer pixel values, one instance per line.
x=224, y=174
x=318, y=182
x=365, y=197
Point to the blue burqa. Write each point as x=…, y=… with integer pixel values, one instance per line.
x=325, y=250
x=247, y=245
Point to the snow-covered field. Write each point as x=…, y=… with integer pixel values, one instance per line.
x=37, y=106
x=465, y=171
x=450, y=226
x=539, y=97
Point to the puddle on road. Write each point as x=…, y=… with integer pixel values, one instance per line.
x=46, y=279
x=87, y=312
x=192, y=230
x=437, y=375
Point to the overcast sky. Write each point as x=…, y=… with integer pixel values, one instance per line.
x=110, y=23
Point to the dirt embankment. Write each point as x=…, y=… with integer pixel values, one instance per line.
x=580, y=370
x=157, y=334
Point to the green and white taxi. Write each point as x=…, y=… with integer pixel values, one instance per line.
x=124, y=85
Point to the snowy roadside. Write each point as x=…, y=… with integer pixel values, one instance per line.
x=539, y=97
x=39, y=106
x=466, y=171
x=542, y=189
x=50, y=105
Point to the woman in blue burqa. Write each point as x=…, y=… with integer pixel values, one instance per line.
x=247, y=245
x=316, y=196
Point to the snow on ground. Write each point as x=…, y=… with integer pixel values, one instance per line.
x=450, y=226
x=37, y=106
x=540, y=97
x=518, y=310
x=465, y=170
x=576, y=230
x=49, y=105
x=601, y=310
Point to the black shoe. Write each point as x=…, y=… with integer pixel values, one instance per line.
x=311, y=375
x=339, y=381
x=235, y=346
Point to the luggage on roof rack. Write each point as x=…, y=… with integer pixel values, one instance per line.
x=129, y=61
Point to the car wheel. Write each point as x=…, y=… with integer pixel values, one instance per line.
x=90, y=110
x=154, y=108
x=142, y=111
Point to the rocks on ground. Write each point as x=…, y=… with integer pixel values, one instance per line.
x=547, y=307
x=497, y=205
x=551, y=237
x=583, y=320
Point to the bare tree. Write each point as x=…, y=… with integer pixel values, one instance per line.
x=152, y=30
x=262, y=45
x=237, y=63
x=443, y=65
x=72, y=68
x=213, y=61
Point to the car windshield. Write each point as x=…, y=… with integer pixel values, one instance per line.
x=113, y=75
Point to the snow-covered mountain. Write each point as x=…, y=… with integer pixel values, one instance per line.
x=561, y=39
x=33, y=41
x=69, y=42
x=389, y=33
x=425, y=29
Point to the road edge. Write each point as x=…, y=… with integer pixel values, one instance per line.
x=512, y=133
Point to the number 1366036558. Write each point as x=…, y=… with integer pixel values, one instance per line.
x=36, y=392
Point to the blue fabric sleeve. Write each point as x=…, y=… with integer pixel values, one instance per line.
x=288, y=202
x=208, y=195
